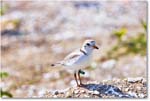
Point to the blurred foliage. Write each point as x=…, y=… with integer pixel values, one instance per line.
x=144, y=25
x=13, y=23
x=4, y=93
x=4, y=74
x=16, y=23
x=120, y=33
x=135, y=45
x=3, y=8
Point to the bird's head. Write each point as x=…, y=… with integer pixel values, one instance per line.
x=89, y=45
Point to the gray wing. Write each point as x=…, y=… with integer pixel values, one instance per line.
x=72, y=58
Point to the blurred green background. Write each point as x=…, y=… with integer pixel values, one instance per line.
x=35, y=34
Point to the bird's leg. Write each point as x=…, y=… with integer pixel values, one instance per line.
x=80, y=72
x=75, y=76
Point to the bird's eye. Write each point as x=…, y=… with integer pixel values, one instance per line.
x=88, y=44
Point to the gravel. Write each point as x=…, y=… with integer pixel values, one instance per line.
x=126, y=88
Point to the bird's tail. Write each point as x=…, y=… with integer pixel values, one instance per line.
x=56, y=64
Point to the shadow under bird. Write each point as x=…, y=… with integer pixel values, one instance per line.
x=79, y=59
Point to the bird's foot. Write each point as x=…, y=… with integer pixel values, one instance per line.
x=81, y=85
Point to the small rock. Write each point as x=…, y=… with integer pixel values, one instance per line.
x=90, y=92
x=82, y=91
x=132, y=94
x=55, y=96
x=96, y=92
x=76, y=91
x=126, y=89
x=68, y=93
x=141, y=95
x=138, y=88
x=56, y=93
x=134, y=80
x=86, y=96
x=144, y=80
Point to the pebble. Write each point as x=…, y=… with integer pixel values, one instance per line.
x=144, y=80
x=86, y=96
x=55, y=96
x=82, y=91
x=126, y=89
x=93, y=92
x=76, y=91
x=132, y=94
x=96, y=92
x=138, y=88
x=68, y=94
x=90, y=92
x=134, y=80
x=141, y=95
x=56, y=92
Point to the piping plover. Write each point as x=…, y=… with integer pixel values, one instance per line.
x=79, y=59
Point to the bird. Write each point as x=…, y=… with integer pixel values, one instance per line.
x=79, y=59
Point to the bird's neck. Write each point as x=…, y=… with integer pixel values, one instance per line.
x=85, y=52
